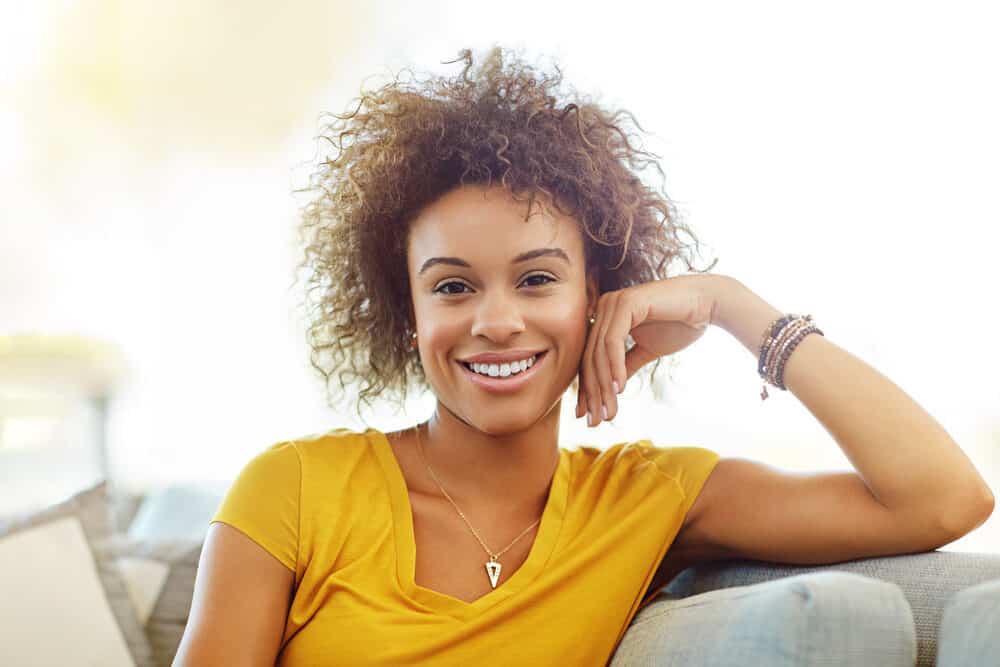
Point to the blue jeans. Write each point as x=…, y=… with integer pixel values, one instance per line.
x=819, y=618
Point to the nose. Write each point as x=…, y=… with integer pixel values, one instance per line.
x=498, y=317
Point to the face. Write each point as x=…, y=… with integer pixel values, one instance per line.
x=484, y=281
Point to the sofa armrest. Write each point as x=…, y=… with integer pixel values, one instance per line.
x=928, y=580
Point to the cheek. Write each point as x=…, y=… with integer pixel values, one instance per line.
x=439, y=335
x=565, y=321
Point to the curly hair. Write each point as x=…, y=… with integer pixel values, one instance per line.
x=408, y=143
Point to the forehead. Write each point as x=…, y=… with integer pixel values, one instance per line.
x=475, y=221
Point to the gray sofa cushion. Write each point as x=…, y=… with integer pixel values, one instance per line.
x=928, y=580
x=970, y=627
x=92, y=507
x=821, y=618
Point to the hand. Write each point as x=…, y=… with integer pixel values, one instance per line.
x=662, y=316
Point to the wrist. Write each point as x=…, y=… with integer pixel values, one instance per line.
x=722, y=290
x=742, y=313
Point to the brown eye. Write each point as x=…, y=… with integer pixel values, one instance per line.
x=548, y=279
x=440, y=289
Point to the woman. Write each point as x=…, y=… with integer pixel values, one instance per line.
x=476, y=237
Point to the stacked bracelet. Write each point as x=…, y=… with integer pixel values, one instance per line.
x=780, y=340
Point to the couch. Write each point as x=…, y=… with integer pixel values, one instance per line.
x=145, y=552
x=937, y=588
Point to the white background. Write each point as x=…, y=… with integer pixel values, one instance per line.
x=840, y=160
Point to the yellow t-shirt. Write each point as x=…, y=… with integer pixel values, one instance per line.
x=335, y=510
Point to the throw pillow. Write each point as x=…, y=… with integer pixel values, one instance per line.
x=60, y=582
x=162, y=574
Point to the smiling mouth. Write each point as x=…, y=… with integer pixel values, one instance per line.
x=505, y=370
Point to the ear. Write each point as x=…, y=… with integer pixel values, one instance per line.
x=413, y=316
x=592, y=293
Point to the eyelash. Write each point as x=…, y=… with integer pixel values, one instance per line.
x=439, y=290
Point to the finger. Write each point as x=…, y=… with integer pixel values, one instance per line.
x=581, y=393
x=592, y=395
x=618, y=330
x=602, y=360
x=635, y=359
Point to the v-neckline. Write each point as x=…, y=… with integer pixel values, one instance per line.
x=406, y=545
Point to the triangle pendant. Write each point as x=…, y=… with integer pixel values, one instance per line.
x=493, y=570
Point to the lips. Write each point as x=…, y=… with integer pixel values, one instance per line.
x=501, y=357
x=503, y=385
x=504, y=368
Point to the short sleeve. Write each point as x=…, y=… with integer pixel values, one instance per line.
x=689, y=466
x=263, y=502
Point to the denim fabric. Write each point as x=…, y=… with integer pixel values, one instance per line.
x=821, y=618
x=970, y=627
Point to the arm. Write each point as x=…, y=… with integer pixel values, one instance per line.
x=240, y=606
x=908, y=462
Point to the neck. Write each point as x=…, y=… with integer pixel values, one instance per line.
x=511, y=471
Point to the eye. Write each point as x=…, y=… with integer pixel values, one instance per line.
x=548, y=279
x=440, y=289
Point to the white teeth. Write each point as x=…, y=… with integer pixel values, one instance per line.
x=504, y=370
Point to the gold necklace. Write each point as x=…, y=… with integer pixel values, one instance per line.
x=493, y=564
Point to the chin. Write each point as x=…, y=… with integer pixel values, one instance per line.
x=500, y=424
x=509, y=419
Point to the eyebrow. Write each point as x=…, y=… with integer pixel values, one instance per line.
x=523, y=257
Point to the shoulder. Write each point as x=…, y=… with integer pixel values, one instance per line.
x=678, y=460
x=273, y=465
x=285, y=459
x=640, y=468
x=695, y=471
x=332, y=442
x=341, y=436
x=687, y=464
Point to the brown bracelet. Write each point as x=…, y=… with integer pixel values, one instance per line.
x=780, y=339
x=802, y=333
x=771, y=363
x=772, y=336
x=780, y=350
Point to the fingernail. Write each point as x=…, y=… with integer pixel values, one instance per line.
x=614, y=385
x=589, y=420
x=604, y=411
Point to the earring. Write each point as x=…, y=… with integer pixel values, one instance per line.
x=413, y=340
x=592, y=319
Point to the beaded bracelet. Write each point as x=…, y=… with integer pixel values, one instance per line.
x=786, y=340
x=781, y=346
x=779, y=341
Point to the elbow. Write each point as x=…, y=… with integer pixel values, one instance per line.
x=988, y=501
x=969, y=516
x=988, y=504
